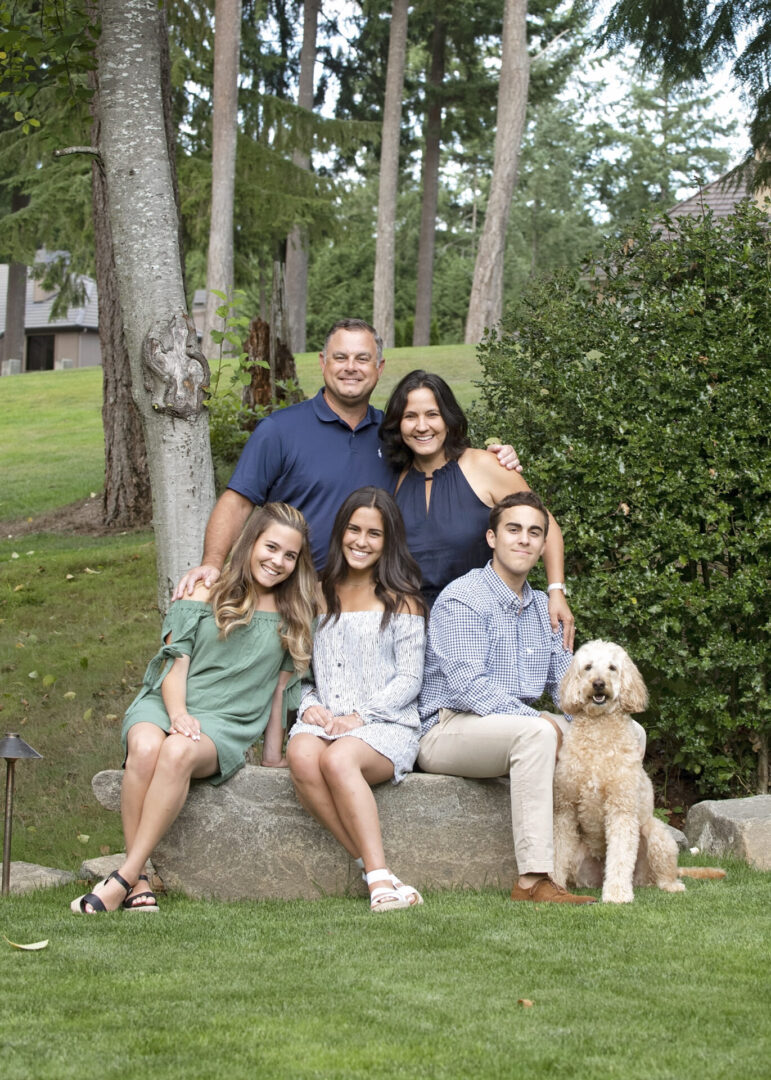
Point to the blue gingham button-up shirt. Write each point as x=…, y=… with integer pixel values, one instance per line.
x=488, y=651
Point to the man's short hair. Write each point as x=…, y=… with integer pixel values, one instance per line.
x=356, y=324
x=519, y=498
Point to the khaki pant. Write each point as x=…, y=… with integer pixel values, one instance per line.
x=525, y=747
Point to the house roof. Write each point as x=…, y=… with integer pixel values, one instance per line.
x=37, y=314
x=721, y=196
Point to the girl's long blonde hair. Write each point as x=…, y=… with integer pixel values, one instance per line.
x=234, y=598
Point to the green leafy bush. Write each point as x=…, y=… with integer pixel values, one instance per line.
x=638, y=398
x=231, y=423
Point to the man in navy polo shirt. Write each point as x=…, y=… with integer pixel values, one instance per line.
x=311, y=455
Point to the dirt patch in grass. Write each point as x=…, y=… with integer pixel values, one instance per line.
x=83, y=517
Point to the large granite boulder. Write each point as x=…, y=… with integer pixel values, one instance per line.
x=251, y=839
x=739, y=827
x=101, y=866
x=25, y=877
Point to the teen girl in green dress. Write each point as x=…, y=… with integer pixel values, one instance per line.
x=214, y=687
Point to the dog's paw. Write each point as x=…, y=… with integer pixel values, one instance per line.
x=617, y=894
x=672, y=886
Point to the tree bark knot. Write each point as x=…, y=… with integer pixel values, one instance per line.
x=175, y=371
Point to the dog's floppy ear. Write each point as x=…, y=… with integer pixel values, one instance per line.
x=570, y=695
x=633, y=696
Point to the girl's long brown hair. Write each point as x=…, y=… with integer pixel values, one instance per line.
x=234, y=598
x=396, y=574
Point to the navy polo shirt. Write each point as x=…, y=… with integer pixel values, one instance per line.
x=305, y=455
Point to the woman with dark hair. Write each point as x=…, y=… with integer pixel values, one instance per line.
x=446, y=489
x=214, y=687
x=358, y=720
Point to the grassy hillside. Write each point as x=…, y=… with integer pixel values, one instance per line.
x=51, y=442
x=51, y=448
x=455, y=363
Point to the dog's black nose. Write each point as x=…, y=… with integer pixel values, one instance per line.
x=598, y=685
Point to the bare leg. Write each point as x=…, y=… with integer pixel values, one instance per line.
x=144, y=742
x=304, y=755
x=179, y=761
x=350, y=767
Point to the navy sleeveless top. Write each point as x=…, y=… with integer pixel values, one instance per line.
x=448, y=539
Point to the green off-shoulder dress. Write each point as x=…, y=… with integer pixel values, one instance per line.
x=230, y=682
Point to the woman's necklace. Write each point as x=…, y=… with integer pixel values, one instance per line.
x=429, y=476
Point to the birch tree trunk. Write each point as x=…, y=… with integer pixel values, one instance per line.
x=296, y=276
x=219, y=263
x=385, y=248
x=421, y=334
x=486, y=303
x=168, y=371
x=127, y=498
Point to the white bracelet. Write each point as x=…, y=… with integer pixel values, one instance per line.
x=556, y=585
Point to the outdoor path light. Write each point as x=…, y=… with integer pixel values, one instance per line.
x=11, y=749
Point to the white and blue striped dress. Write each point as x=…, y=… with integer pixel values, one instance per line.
x=357, y=667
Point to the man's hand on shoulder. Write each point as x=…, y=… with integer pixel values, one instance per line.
x=206, y=574
x=507, y=456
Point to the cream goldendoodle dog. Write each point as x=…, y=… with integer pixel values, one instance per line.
x=603, y=798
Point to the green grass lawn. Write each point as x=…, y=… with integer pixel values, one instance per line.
x=51, y=441
x=455, y=363
x=670, y=987
x=673, y=987
x=78, y=624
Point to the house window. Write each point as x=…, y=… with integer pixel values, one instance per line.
x=40, y=352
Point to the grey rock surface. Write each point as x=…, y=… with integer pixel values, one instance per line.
x=251, y=839
x=738, y=827
x=679, y=837
x=26, y=877
x=98, y=868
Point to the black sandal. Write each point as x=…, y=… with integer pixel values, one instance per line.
x=78, y=907
x=130, y=903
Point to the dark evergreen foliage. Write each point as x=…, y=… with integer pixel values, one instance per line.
x=637, y=396
x=686, y=39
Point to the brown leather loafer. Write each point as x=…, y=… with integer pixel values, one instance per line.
x=546, y=891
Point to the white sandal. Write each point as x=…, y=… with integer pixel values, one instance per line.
x=384, y=899
x=407, y=892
